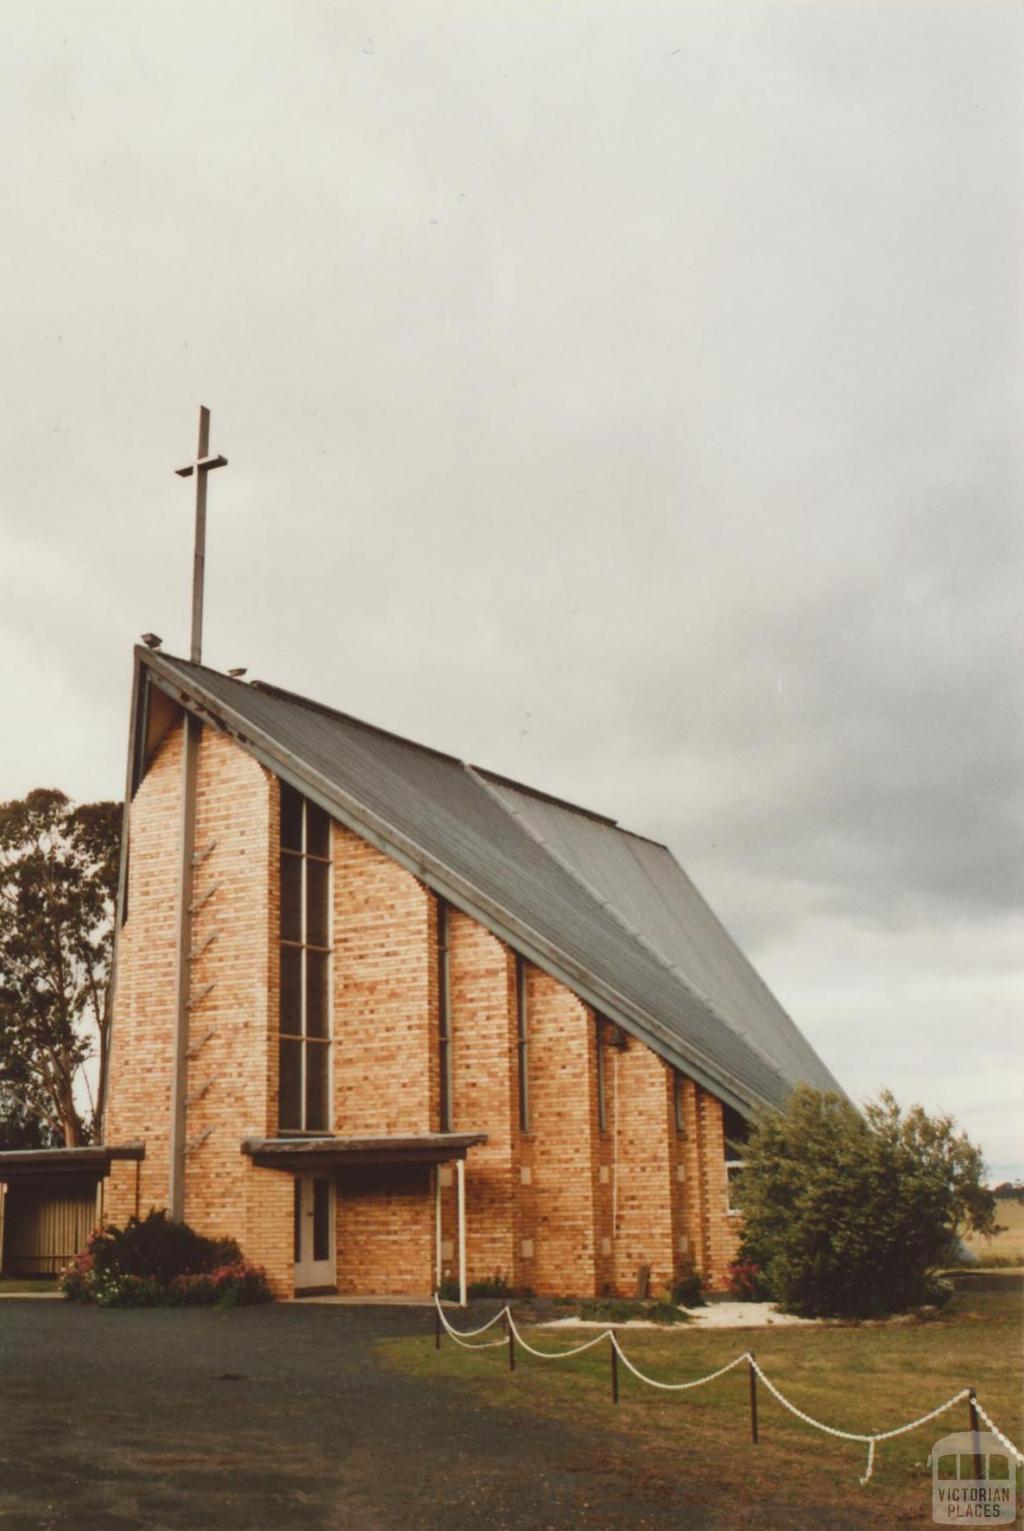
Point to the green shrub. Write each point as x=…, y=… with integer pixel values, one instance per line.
x=848, y=1214
x=494, y=1286
x=938, y=1291
x=620, y=1310
x=154, y=1262
x=665, y=1312
x=689, y=1288
x=158, y=1248
x=497, y=1286
x=613, y=1310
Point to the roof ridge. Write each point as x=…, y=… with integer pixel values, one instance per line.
x=737, y=950
x=545, y=797
x=634, y=934
x=326, y=710
x=310, y=703
x=347, y=717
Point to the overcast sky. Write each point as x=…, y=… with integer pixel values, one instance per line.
x=625, y=396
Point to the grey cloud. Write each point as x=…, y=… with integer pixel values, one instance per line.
x=626, y=397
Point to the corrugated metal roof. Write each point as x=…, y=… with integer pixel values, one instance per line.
x=614, y=916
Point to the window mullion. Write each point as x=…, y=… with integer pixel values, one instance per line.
x=303, y=928
x=308, y=1069
x=522, y=1045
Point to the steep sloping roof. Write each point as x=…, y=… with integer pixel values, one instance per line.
x=610, y=914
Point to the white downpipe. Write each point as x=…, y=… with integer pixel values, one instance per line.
x=437, y=1226
x=460, y=1181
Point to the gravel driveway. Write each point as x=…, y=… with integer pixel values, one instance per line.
x=274, y=1418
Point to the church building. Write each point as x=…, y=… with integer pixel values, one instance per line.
x=391, y=1020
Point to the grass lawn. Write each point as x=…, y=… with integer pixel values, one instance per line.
x=1006, y=1247
x=859, y=1378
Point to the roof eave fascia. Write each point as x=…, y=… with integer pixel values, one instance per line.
x=384, y=837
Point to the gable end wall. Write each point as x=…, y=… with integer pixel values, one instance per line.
x=564, y=1207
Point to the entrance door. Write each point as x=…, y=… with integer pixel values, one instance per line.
x=314, y=1231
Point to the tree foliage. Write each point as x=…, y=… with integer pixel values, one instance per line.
x=58, y=875
x=850, y=1214
x=154, y=1262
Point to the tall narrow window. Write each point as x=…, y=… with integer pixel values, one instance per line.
x=735, y=1132
x=523, y=1046
x=305, y=965
x=602, y=1105
x=444, y=1038
x=678, y=1083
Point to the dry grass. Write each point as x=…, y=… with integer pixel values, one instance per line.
x=860, y=1378
x=1006, y=1247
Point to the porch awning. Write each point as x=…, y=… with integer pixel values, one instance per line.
x=301, y=1154
x=82, y=1165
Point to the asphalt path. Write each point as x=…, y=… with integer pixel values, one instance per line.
x=283, y=1418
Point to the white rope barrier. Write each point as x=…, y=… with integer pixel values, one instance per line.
x=851, y=1435
x=557, y=1355
x=467, y=1334
x=463, y=1337
x=476, y=1344
x=1000, y=1437
x=871, y=1440
x=675, y=1387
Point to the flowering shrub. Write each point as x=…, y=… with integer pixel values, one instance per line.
x=228, y=1286
x=748, y=1282
x=76, y=1280
x=153, y=1262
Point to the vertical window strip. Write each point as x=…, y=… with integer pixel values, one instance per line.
x=735, y=1132
x=677, y=1095
x=602, y=1107
x=303, y=1090
x=444, y=1041
x=523, y=1045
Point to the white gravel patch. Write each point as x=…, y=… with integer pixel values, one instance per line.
x=745, y=1315
x=717, y=1315
x=600, y=1323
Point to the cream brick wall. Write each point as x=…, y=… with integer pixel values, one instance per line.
x=142, y=1036
x=566, y=1207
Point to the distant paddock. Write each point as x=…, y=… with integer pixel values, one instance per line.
x=1007, y=1246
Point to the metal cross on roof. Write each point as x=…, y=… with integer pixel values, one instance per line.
x=201, y=466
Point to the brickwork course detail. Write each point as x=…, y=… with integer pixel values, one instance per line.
x=582, y=1201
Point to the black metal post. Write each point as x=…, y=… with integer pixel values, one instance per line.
x=979, y=1464
x=437, y=1327
x=615, y=1368
x=753, y=1398
x=511, y=1345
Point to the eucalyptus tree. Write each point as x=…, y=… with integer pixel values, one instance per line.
x=58, y=876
